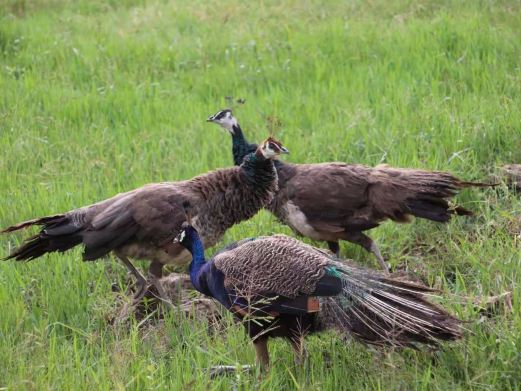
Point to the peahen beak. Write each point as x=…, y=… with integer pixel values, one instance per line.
x=210, y=119
x=284, y=150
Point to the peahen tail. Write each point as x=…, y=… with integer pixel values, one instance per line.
x=384, y=310
x=431, y=191
x=419, y=193
x=58, y=233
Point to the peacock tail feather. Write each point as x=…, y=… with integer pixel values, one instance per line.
x=384, y=310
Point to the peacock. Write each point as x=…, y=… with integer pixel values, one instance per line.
x=338, y=201
x=142, y=223
x=280, y=287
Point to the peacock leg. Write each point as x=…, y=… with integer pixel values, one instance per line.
x=369, y=245
x=261, y=351
x=141, y=281
x=335, y=248
x=376, y=251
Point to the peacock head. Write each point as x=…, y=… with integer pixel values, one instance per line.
x=272, y=148
x=186, y=236
x=225, y=119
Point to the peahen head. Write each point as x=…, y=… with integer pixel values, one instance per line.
x=226, y=120
x=240, y=146
x=271, y=148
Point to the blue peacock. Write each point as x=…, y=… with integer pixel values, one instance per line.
x=281, y=287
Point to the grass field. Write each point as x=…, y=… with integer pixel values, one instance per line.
x=99, y=97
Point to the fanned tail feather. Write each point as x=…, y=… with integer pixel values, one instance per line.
x=383, y=310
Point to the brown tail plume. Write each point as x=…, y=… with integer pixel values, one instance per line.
x=430, y=199
x=383, y=310
x=39, y=221
x=58, y=234
x=425, y=194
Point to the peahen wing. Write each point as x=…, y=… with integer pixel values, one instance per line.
x=335, y=196
x=152, y=214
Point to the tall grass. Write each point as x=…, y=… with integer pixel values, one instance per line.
x=98, y=97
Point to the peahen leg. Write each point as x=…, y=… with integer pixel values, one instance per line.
x=261, y=351
x=155, y=273
x=141, y=281
x=369, y=245
x=335, y=248
x=141, y=288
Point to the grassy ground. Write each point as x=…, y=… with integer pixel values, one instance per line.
x=98, y=97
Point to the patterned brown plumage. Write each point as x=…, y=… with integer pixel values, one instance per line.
x=375, y=308
x=270, y=264
x=339, y=201
x=142, y=223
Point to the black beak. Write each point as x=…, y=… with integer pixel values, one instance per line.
x=284, y=150
x=210, y=119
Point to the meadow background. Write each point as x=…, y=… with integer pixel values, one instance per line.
x=99, y=97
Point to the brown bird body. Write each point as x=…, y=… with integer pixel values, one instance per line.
x=333, y=201
x=339, y=201
x=143, y=222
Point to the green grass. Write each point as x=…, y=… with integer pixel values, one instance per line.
x=98, y=97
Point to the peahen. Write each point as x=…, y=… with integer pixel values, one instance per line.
x=339, y=201
x=142, y=223
x=281, y=287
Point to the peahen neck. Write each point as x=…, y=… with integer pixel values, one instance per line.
x=198, y=261
x=240, y=146
x=259, y=171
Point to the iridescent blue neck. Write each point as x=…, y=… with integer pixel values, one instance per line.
x=198, y=261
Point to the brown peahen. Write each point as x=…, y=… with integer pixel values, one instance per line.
x=281, y=287
x=142, y=223
x=339, y=201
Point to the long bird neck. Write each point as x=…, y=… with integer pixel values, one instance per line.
x=259, y=171
x=240, y=146
x=198, y=260
x=230, y=196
